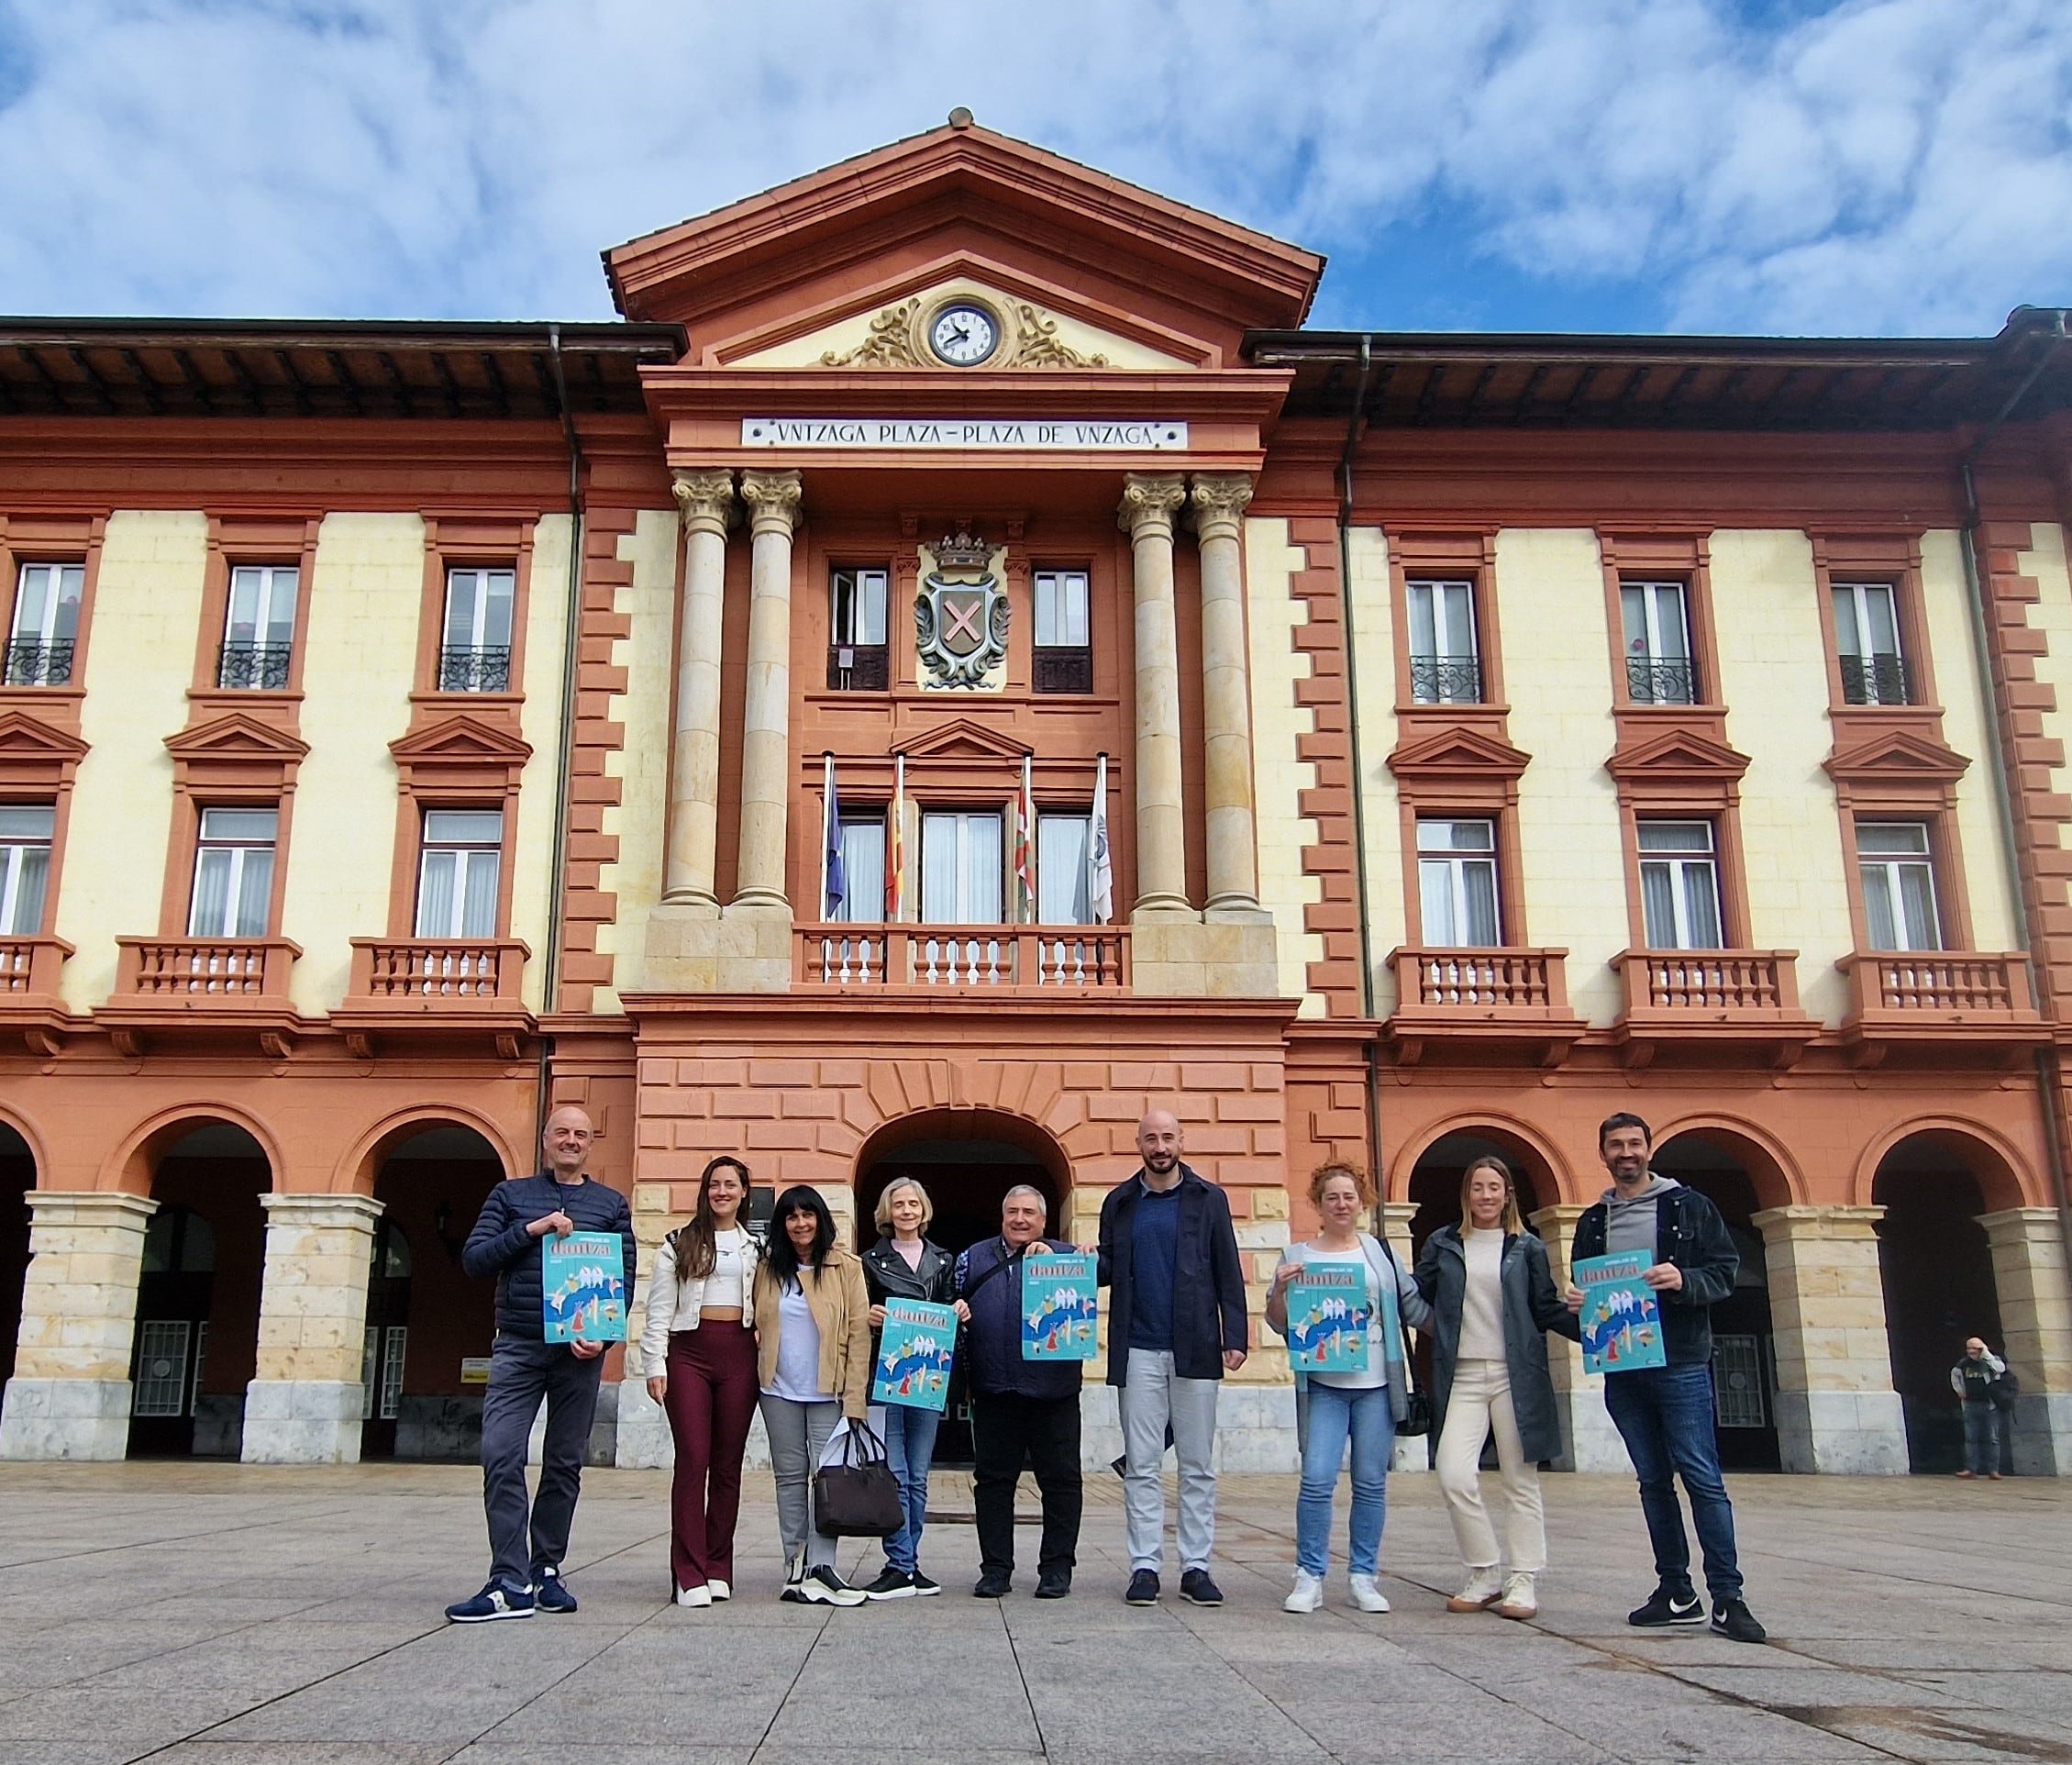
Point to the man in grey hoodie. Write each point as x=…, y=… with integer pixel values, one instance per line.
x=1665, y=1414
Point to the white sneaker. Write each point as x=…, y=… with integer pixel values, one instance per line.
x=718, y=1588
x=1484, y=1589
x=1367, y=1596
x=1308, y=1595
x=695, y=1596
x=1520, y=1600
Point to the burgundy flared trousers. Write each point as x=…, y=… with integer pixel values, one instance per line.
x=710, y=1399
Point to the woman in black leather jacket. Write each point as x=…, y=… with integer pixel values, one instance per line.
x=903, y=1264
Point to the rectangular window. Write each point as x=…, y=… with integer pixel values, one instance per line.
x=863, y=871
x=1679, y=885
x=475, y=642
x=1445, y=666
x=258, y=626
x=1867, y=644
x=46, y=624
x=1899, y=879
x=459, y=869
x=233, y=873
x=25, y=830
x=1658, y=632
x=1064, y=877
x=1457, y=884
x=1063, y=640
x=857, y=659
x=960, y=867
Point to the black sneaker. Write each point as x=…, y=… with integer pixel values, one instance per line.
x=550, y=1592
x=1665, y=1608
x=892, y=1584
x=992, y=1587
x=823, y=1586
x=1196, y=1586
x=1143, y=1588
x=1053, y=1587
x=923, y=1587
x=1732, y=1619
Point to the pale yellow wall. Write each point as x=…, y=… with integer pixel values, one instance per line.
x=546, y=626
x=846, y=334
x=1374, y=674
x=139, y=663
x=2052, y=614
x=1556, y=676
x=641, y=765
x=1946, y=605
x=366, y=596
x=1773, y=676
x=1273, y=612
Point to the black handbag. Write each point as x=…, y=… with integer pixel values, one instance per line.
x=858, y=1497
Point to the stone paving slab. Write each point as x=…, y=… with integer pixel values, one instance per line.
x=220, y=1614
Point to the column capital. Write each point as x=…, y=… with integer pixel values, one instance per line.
x=1219, y=501
x=1776, y=1223
x=350, y=1210
x=89, y=1207
x=773, y=500
x=2014, y=1225
x=1150, y=500
x=706, y=499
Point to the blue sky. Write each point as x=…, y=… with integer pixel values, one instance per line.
x=1875, y=167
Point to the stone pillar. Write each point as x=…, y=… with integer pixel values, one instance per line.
x=1219, y=506
x=1593, y=1442
x=706, y=499
x=71, y=1394
x=1147, y=509
x=2029, y=1276
x=773, y=499
x=1836, y=1410
x=304, y=1405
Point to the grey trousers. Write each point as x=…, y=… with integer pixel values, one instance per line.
x=798, y=1436
x=521, y=1374
x=1152, y=1397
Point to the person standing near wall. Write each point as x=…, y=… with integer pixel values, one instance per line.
x=1168, y=1254
x=525, y=1573
x=1980, y=1381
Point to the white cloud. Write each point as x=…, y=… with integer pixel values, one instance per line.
x=1884, y=165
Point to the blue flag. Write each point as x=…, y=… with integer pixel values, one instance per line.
x=837, y=885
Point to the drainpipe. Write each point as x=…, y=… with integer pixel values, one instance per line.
x=2049, y=1077
x=564, y=762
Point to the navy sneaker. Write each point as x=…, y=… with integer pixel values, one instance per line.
x=495, y=1600
x=550, y=1592
x=1143, y=1588
x=1196, y=1587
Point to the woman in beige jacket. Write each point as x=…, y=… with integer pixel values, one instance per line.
x=812, y=1365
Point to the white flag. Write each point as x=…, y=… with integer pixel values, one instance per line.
x=1100, y=894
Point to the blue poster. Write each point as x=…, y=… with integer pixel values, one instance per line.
x=583, y=1279
x=1058, y=1307
x=913, y=1355
x=1621, y=1315
x=1330, y=1313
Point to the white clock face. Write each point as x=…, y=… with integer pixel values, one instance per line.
x=963, y=334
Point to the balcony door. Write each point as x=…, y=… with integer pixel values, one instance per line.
x=961, y=867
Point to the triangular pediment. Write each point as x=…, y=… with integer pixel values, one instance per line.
x=1458, y=753
x=961, y=738
x=22, y=737
x=1678, y=754
x=1896, y=755
x=236, y=736
x=463, y=740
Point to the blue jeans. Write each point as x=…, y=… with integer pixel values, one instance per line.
x=910, y=1444
x=1664, y=1416
x=1335, y=1414
x=1981, y=1439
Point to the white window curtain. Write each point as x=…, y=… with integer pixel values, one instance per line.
x=26, y=831
x=1063, y=874
x=863, y=870
x=478, y=608
x=1898, y=883
x=1061, y=621
x=859, y=607
x=459, y=872
x=1679, y=885
x=1456, y=877
x=960, y=867
x=1442, y=620
x=233, y=873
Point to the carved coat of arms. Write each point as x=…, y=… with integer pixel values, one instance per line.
x=960, y=616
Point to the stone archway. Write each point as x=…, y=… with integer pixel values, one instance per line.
x=1434, y=1179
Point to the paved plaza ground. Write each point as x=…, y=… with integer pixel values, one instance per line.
x=228, y=1615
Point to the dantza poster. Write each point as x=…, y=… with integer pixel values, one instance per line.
x=1058, y=1305
x=913, y=1355
x=1330, y=1313
x=583, y=1279
x=1621, y=1315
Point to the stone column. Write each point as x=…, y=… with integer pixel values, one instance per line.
x=1148, y=506
x=303, y=1406
x=1836, y=1410
x=773, y=499
x=1593, y=1442
x=1219, y=506
x=706, y=499
x=2029, y=1276
x=71, y=1394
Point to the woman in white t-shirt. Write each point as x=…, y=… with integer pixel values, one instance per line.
x=700, y=1351
x=1363, y=1407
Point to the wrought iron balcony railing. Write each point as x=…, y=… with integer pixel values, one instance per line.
x=859, y=668
x=1875, y=679
x=1653, y=682
x=33, y=662
x=474, y=670
x=1446, y=680
x=254, y=666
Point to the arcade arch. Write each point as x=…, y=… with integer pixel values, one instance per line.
x=1434, y=1179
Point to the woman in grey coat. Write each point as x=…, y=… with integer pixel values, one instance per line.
x=1492, y=1300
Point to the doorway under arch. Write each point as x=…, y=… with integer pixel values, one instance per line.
x=17, y=1177
x=1435, y=1181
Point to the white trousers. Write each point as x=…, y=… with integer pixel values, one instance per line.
x=1154, y=1396
x=1479, y=1403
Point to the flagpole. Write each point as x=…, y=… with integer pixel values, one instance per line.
x=826, y=823
x=1025, y=812
x=896, y=880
